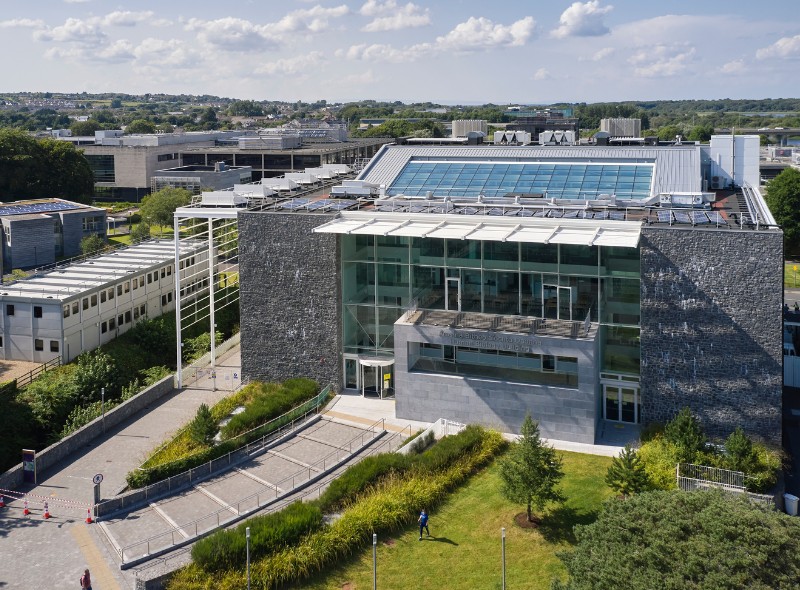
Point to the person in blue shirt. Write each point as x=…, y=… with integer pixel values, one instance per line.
x=423, y=523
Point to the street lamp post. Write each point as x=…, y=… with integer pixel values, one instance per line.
x=247, y=536
x=374, y=561
x=103, y=405
x=503, y=543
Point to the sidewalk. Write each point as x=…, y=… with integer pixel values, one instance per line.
x=52, y=554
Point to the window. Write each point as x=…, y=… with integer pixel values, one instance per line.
x=163, y=272
x=135, y=313
x=54, y=346
x=141, y=281
x=119, y=289
x=169, y=297
x=38, y=344
x=104, y=327
x=112, y=323
x=126, y=286
x=9, y=309
x=169, y=270
x=74, y=307
x=1, y=342
x=149, y=278
x=111, y=293
x=163, y=300
x=135, y=284
x=143, y=309
x=120, y=319
x=93, y=223
x=94, y=300
x=127, y=317
x=66, y=311
x=85, y=303
x=180, y=265
x=37, y=311
x=102, y=296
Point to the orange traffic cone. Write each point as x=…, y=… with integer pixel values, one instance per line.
x=2, y=501
x=88, y=516
x=26, y=512
x=46, y=511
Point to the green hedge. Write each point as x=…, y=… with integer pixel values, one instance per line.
x=268, y=534
x=264, y=408
x=300, y=390
x=359, y=477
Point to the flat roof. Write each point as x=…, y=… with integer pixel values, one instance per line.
x=71, y=281
x=39, y=206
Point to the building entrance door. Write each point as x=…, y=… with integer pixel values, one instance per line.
x=351, y=373
x=452, y=289
x=621, y=403
x=557, y=302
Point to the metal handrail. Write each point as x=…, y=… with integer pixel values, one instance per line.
x=276, y=488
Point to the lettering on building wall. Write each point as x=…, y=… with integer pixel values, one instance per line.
x=490, y=341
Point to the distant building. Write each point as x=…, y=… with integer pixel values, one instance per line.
x=78, y=307
x=622, y=127
x=462, y=127
x=196, y=178
x=544, y=122
x=36, y=232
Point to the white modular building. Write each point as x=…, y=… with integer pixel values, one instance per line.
x=77, y=307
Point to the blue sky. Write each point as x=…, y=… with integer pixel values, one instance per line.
x=447, y=51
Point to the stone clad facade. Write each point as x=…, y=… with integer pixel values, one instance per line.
x=290, y=321
x=711, y=327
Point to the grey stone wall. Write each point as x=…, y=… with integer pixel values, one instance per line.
x=563, y=414
x=711, y=328
x=289, y=298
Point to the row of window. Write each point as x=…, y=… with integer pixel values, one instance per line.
x=196, y=286
x=123, y=318
x=108, y=294
x=38, y=345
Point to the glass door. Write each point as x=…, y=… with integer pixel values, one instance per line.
x=453, y=293
x=351, y=373
x=621, y=404
x=370, y=380
x=564, y=303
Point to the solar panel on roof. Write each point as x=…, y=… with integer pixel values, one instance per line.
x=571, y=214
x=495, y=211
x=617, y=215
x=36, y=208
x=467, y=210
x=340, y=204
x=525, y=213
x=699, y=217
x=540, y=213
x=682, y=217
x=554, y=213
x=664, y=216
x=716, y=217
x=510, y=212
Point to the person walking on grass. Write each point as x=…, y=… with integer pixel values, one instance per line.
x=423, y=523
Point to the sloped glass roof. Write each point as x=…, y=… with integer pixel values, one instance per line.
x=583, y=180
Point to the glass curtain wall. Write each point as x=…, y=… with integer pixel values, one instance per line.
x=383, y=275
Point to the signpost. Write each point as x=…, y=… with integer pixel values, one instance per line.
x=97, y=480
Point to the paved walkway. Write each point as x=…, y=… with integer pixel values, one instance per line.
x=52, y=554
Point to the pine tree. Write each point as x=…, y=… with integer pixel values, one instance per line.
x=531, y=470
x=203, y=428
x=626, y=474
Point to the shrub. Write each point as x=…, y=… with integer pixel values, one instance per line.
x=203, y=428
x=267, y=407
x=660, y=458
x=685, y=432
x=228, y=548
x=626, y=474
x=423, y=442
x=359, y=477
x=448, y=449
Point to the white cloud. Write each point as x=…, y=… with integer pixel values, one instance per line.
x=482, y=33
x=391, y=17
x=125, y=18
x=603, y=53
x=736, y=66
x=76, y=1
x=21, y=23
x=292, y=66
x=659, y=61
x=542, y=74
x=782, y=48
x=381, y=52
x=583, y=20
x=74, y=30
x=232, y=34
x=172, y=53
x=313, y=20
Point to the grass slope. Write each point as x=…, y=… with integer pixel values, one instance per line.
x=464, y=551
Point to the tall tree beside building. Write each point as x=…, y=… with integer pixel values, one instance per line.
x=783, y=198
x=159, y=207
x=34, y=169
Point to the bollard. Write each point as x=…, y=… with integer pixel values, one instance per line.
x=26, y=512
x=46, y=511
x=88, y=516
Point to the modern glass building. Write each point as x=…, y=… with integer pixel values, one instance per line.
x=592, y=287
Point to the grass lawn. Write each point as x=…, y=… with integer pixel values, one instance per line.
x=464, y=550
x=791, y=278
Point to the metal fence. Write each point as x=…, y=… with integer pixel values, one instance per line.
x=691, y=477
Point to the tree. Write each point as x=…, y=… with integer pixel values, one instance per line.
x=706, y=540
x=783, y=198
x=626, y=474
x=94, y=371
x=85, y=128
x=140, y=126
x=685, y=432
x=34, y=169
x=245, y=108
x=158, y=208
x=139, y=232
x=531, y=470
x=740, y=454
x=203, y=428
x=91, y=244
